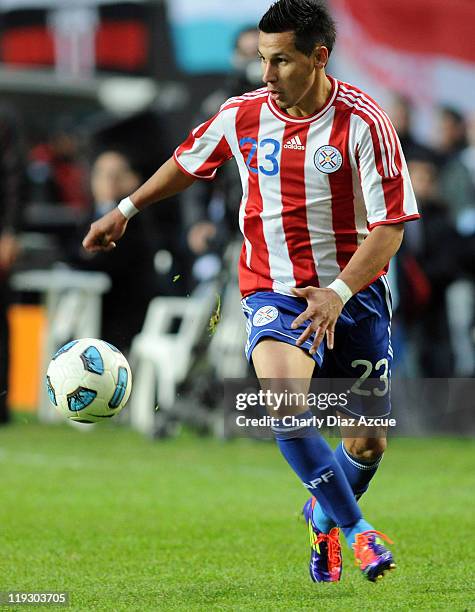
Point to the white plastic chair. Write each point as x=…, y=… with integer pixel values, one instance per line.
x=162, y=353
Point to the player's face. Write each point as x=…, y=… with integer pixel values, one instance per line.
x=290, y=75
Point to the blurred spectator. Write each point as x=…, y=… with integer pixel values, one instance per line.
x=143, y=139
x=245, y=75
x=400, y=112
x=451, y=133
x=457, y=179
x=428, y=264
x=467, y=156
x=466, y=217
x=209, y=205
x=131, y=265
x=55, y=171
x=149, y=258
x=11, y=202
x=457, y=184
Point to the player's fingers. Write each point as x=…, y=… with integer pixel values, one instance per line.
x=86, y=243
x=301, y=293
x=319, y=335
x=93, y=241
x=104, y=241
x=300, y=320
x=330, y=333
x=304, y=335
x=95, y=244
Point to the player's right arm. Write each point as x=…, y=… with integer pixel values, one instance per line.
x=205, y=149
x=167, y=181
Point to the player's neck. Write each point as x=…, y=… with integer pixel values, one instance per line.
x=314, y=100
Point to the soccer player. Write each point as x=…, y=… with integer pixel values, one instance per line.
x=325, y=196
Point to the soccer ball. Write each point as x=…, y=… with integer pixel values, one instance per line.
x=88, y=380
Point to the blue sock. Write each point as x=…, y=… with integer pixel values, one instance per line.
x=312, y=459
x=350, y=532
x=358, y=475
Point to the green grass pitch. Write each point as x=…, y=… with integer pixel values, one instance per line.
x=124, y=523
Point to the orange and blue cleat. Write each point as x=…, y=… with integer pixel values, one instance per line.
x=325, y=557
x=372, y=557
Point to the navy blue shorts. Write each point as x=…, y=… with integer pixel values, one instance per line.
x=362, y=350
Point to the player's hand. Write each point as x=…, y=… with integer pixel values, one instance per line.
x=105, y=232
x=323, y=309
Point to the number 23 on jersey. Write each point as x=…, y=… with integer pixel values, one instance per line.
x=270, y=149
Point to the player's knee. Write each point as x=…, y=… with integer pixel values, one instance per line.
x=366, y=449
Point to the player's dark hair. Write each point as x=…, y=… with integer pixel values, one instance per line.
x=310, y=20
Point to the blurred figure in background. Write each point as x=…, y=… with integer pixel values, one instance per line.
x=245, y=74
x=143, y=139
x=466, y=180
x=451, y=136
x=457, y=184
x=212, y=205
x=400, y=113
x=123, y=152
x=12, y=168
x=56, y=172
x=131, y=266
x=428, y=264
x=437, y=297
x=467, y=155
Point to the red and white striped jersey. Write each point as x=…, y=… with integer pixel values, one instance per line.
x=313, y=187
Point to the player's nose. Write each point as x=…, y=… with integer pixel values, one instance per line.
x=269, y=75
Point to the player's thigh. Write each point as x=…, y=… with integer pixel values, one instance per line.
x=275, y=359
x=285, y=370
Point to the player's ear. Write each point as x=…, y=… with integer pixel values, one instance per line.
x=321, y=55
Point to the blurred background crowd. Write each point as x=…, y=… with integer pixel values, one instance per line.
x=96, y=95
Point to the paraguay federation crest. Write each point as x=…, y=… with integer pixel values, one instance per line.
x=328, y=159
x=265, y=315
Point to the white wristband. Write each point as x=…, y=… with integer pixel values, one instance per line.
x=340, y=287
x=127, y=208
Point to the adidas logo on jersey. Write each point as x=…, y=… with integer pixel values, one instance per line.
x=294, y=143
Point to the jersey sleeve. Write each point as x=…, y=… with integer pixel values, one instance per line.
x=385, y=182
x=205, y=149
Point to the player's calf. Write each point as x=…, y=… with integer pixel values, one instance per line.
x=365, y=450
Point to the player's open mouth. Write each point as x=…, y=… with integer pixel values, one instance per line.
x=275, y=95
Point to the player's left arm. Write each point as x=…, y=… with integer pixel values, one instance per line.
x=372, y=256
x=389, y=200
x=324, y=306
